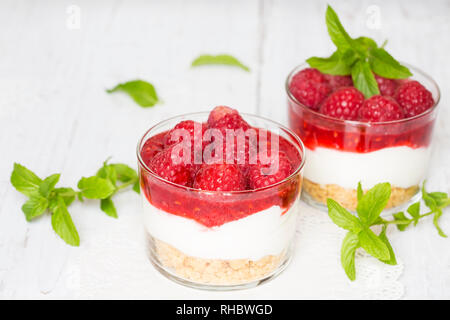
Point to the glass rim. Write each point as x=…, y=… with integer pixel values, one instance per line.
x=362, y=123
x=300, y=147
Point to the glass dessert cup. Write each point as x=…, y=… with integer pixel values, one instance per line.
x=218, y=240
x=342, y=153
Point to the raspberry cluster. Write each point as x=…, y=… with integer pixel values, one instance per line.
x=336, y=96
x=235, y=170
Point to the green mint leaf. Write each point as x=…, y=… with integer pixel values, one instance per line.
x=363, y=79
x=137, y=187
x=337, y=33
x=67, y=194
x=373, y=245
x=365, y=44
x=438, y=195
x=124, y=172
x=441, y=198
x=34, y=207
x=95, y=187
x=348, y=250
x=392, y=260
x=48, y=184
x=414, y=211
x=24, y=180
x=335, y=64
x=359, y=192
x=63, y=225
x=107, y=206
x=383, y=64
x=221, y=59
x=342, y=217
x=430, y=202
x=436, y=217
x=400, y=216
x=142, y=92
x=373, y=202
x=108, y=172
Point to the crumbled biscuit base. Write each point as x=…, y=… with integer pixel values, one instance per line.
x=212, y=271
x=347, y=197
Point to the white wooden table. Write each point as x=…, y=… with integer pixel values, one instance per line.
x=56, y=117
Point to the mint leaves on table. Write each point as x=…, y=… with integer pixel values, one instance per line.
x=360, y=57
x=221, y=59
x=370, y=205
x=435, y=201
x=142, y=92
x=43, y=196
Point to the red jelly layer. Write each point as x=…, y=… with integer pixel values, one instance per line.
x=316, y=131
x=216, y=208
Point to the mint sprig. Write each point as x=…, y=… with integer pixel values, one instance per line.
x=221, y=59
x=43, y=196
x=370, y=205
x=360, y=57
x=142, y=92
x=435, y=201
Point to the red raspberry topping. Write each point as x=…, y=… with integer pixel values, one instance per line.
x=220, y=177
x=343, y=104
x=152, y=146
x=230, y=121
x=387, y=86
x=170, y=165
x=337, y=82
x=308, y=92
x=414, y=98
x=188, y=125
x=310, y=74
x=378, y=108
x=218, y=113
x=263, y=175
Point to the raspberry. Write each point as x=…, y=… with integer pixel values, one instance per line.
x=219, y=112
x=169, y=165
x=188, y=125
x=310, y=74
x=387, y=86
x=262, y=175
x=380, y=108
x=220, y=177
x=343, y=104
x=309, y=87
x=230, y=121
x=309, y=93
x=336, y=82
x=151, y=147
x=414, y=98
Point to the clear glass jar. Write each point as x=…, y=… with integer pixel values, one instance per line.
x=219, y=240
x=342, y=153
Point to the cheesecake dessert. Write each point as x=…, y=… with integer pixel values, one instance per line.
x=364, y=117
x=350, y=138
x=220, y=194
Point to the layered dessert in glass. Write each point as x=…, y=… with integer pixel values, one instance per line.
x=220, y=195
x=351, y=139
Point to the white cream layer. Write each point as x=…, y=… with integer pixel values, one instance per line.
x=267, y=232
x=401, y=166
